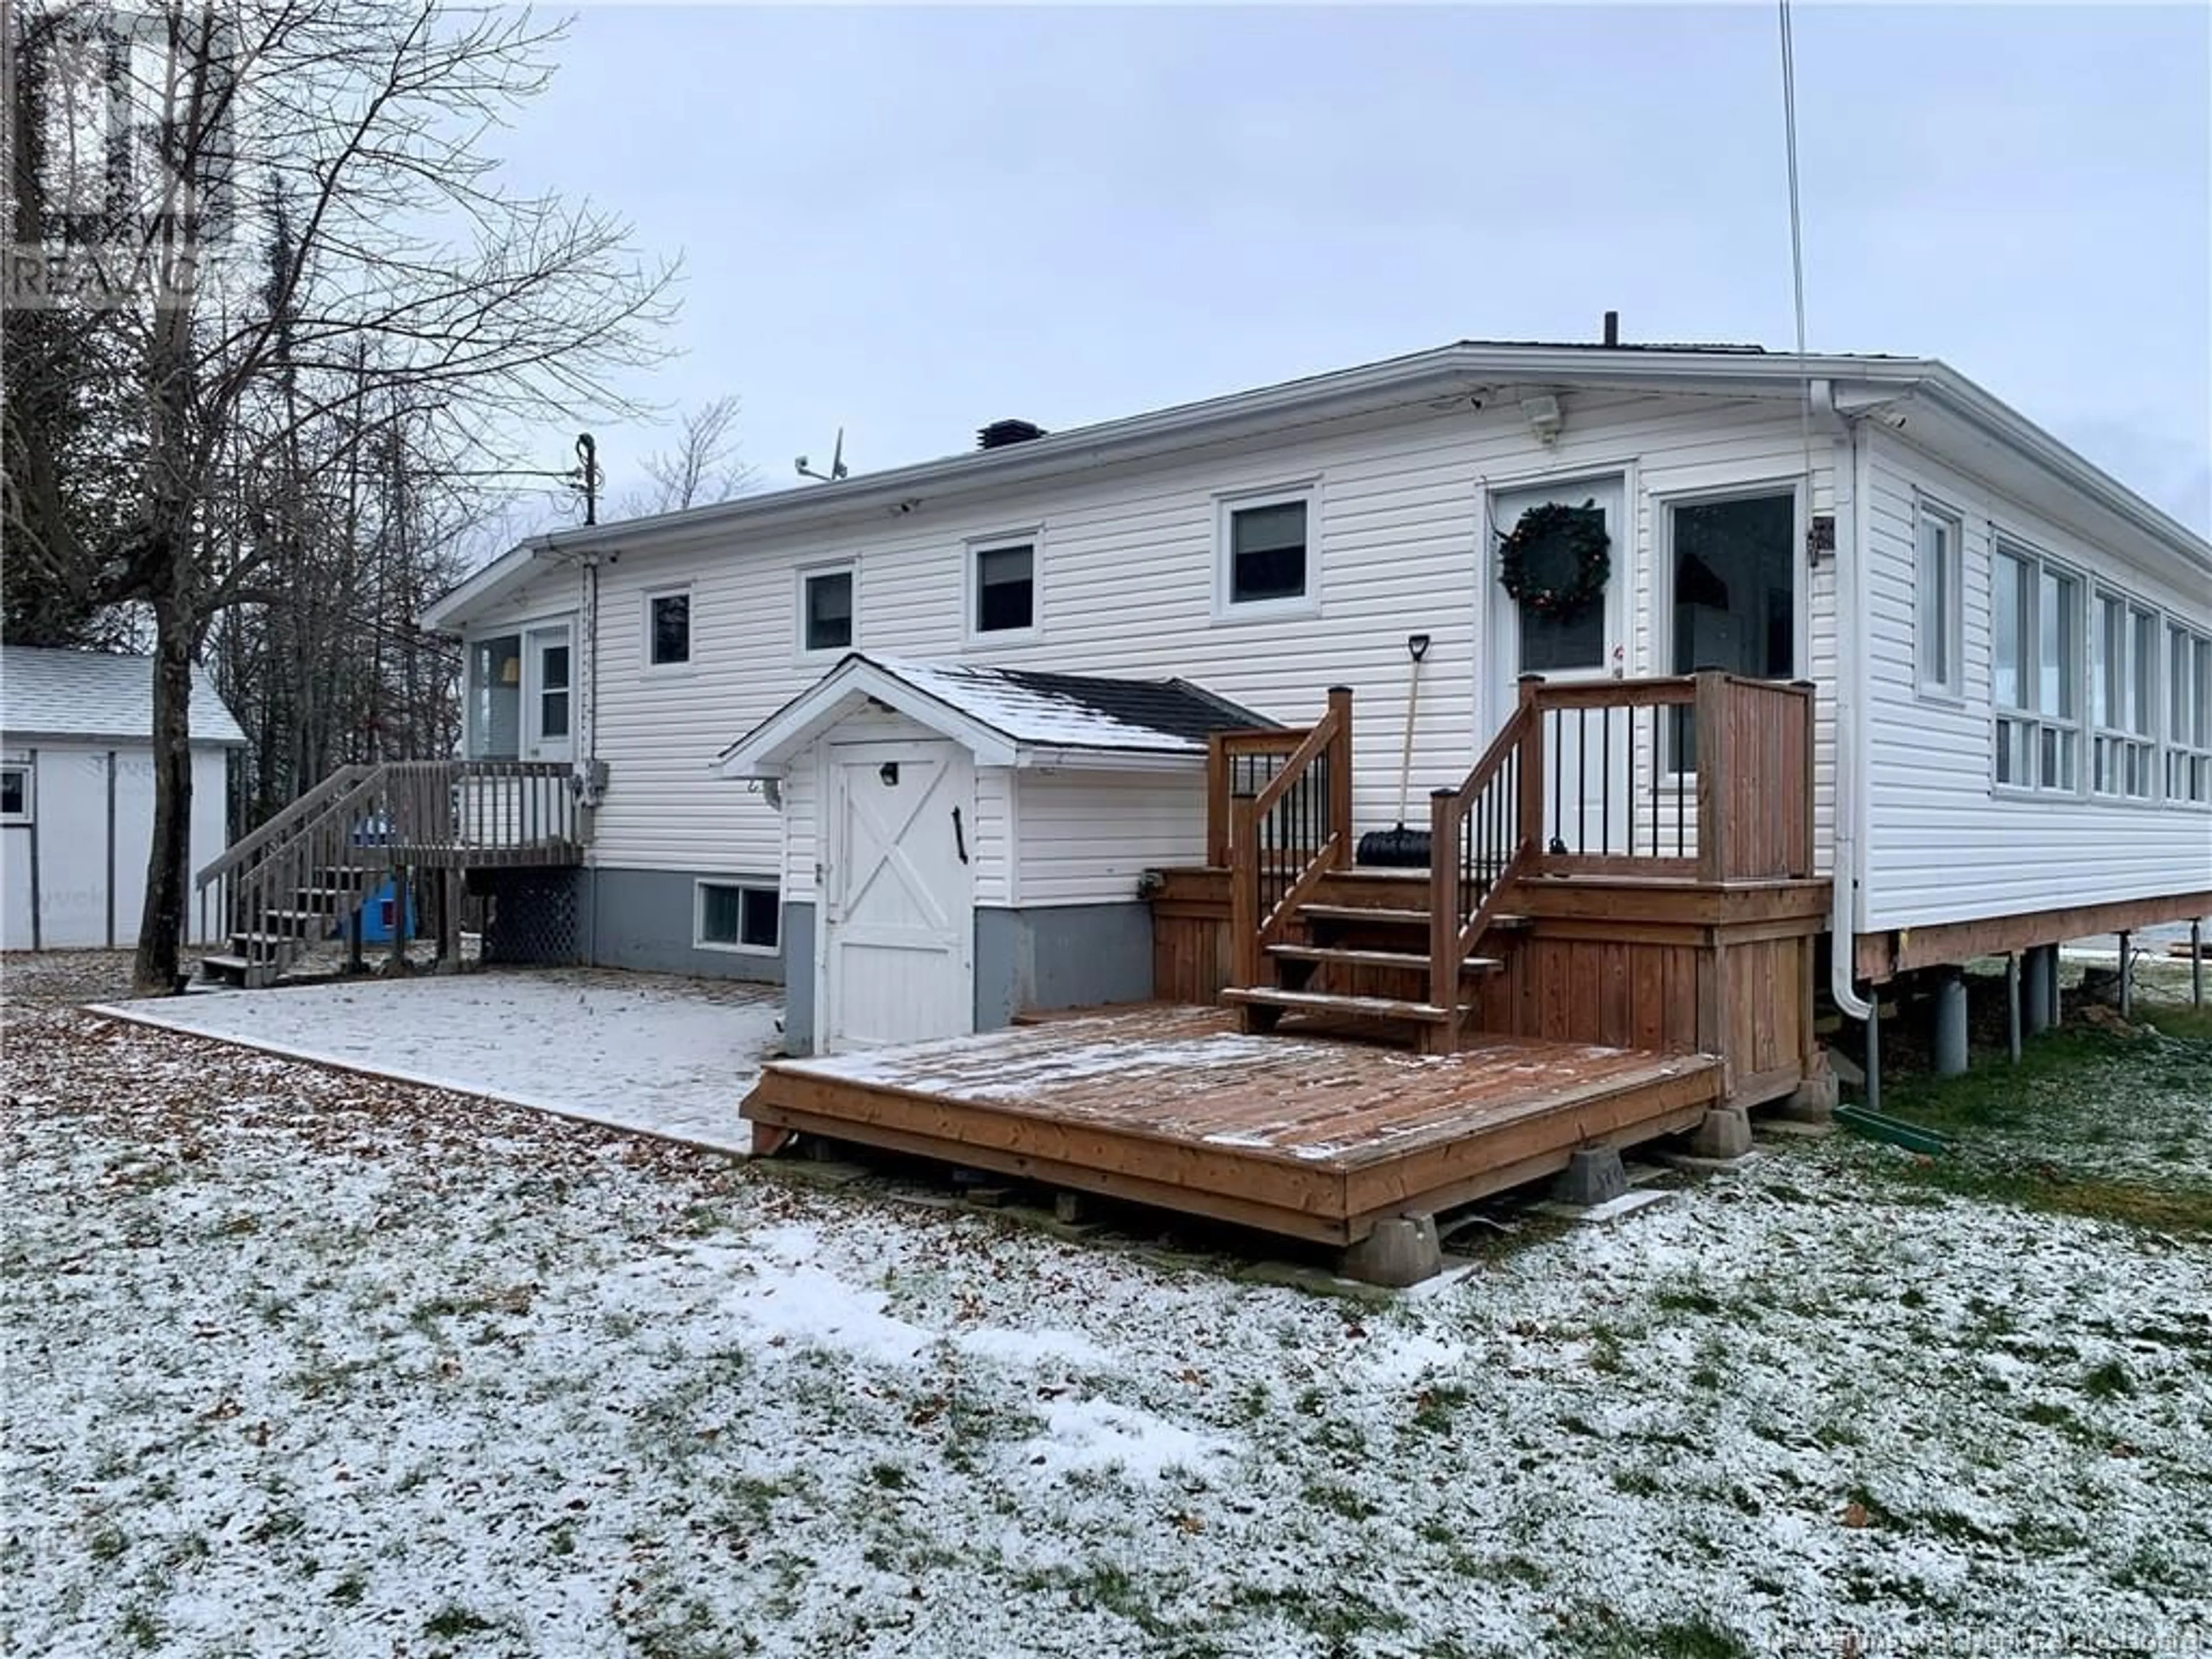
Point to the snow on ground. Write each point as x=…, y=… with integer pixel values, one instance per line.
x=671, y=1056
x=302, y=1362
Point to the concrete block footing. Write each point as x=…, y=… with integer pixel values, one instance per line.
x=1401, y=1250
x=1815, y=1101
x=1593, y=1175
x=1725, y=1133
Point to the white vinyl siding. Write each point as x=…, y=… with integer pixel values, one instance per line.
x=1944, y=842
x=1088, y=838
x=1125, y=584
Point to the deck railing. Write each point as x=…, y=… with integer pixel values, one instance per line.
x=304, y=873
x=1479, y=842
x=1286, y=834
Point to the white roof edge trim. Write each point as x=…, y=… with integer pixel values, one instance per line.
x=1080, y=448
x=763, y=751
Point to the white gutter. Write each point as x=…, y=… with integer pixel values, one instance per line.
x=1849, y=471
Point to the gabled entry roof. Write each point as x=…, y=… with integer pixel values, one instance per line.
x=1003, y=716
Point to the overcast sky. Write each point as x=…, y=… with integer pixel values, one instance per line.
x=910, y=223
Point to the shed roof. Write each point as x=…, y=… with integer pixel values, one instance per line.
x=50, y=693
x=1006, y=715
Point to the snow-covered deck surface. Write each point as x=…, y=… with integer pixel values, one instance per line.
x=650, y=1052
x=1173, y=1105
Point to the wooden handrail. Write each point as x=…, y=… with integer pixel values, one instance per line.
x=1223, y=750
x=293, y=815
x=1273, y=865
x=1495, y=861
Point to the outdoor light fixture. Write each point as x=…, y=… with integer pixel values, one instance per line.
x=1542, y=410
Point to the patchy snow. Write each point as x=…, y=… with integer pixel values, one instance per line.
x=1027, y=713
x=652, y=1052
x=297, y=1360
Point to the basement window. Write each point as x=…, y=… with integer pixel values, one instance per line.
x=736, y=916
x=15, y=792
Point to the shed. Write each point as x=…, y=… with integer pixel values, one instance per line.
x=963, y=843
x=76, y=793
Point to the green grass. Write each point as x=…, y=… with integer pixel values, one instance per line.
x=2091, y=1123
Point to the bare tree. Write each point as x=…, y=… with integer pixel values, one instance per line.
x=703, y=467
x=400, y=286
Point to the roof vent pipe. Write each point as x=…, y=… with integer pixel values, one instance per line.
x=1000, y=434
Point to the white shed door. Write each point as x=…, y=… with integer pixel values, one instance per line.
x=898, y=894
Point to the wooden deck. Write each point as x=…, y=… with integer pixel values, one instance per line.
x=1304, y=1135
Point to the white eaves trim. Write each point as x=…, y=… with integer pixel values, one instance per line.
x=957, y=702
x=1461, y=370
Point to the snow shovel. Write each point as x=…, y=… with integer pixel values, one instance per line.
x=1402, y=848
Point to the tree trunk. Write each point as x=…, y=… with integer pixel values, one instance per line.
x=157, y=971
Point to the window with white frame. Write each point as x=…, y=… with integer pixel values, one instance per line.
x=2035, y=628
x=826, y=608
x=15, y=792
x=1264, y=556
x=2188, y=716
x=1004, y=574
x=2122, y=699
x=736, y=916
x=668, y=627
x=1938, y=634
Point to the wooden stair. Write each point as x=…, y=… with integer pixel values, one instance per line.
x=1336, y=943
x=266, y=945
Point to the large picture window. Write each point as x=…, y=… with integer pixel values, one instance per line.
x=2035, y=672
x=2188, y=716
x=2124, y=699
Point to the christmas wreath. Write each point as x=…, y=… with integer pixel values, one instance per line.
x=1554, y=561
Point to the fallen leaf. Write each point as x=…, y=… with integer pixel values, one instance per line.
x=1855, y=1514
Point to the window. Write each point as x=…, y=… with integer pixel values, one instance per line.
x=2035, y=672
x=2123, y=697
x=553, y=691
x=1735, y=577
x=1938, y=632
x=668, y=628
x=825, y=610
x=1005, y=588
x=15, y=792
x=494, y=712
x=2188, y=716
x=1265, y=560
x=734, y=917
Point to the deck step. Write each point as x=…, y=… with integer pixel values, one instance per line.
x=1380, y=914
x=1371, y=958
x=298, y=920
x=1320, y=1002
x=274, y=941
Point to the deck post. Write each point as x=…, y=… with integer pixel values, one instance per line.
x=2196, y=961
x=1709, y=723
x=1950, y=1022
x=1244, y=891
x=397, y=956
x=1445, y=898
x=1339, y=773
x=1217, y=799
x=2012, y=1007
x=1874, y=1050
x=449, y=920
x=2036, y=964
x=2127, y=996
x=1531, y=808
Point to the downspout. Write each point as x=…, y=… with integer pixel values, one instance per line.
x=1848, y=470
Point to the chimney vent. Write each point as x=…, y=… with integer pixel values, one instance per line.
x=1000, y=434
x=1613, y=328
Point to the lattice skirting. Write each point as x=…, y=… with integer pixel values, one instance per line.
x=533, y=918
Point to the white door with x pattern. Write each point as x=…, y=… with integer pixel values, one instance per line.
x=898, y=894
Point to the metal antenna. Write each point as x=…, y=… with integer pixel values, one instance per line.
x=837, y=468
